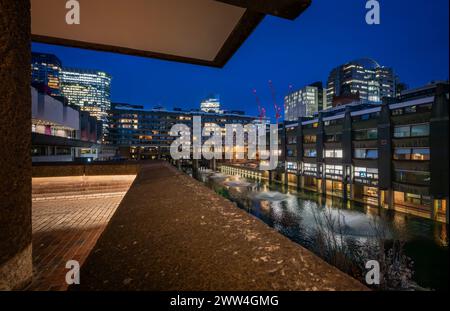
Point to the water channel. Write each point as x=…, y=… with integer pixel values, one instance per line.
x=294, y=214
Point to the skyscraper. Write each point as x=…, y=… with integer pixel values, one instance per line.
x=363, y=78
x=304, y=102
x=211, y=104
x=88, y=89
x=46, y=71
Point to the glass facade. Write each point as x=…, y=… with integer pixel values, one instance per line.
x=309, y=139
x=211, y=104
x=365, y=134
x=88, y=89
x=333, y=153
x=415, y=130
x=417, y=154
x=363, y=172
x=46, y=70
x=304, y=102
x=360, y=153
x=413, y=177
x=310, y=153
x=364, y=77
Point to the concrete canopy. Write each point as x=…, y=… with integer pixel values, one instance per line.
x=204, y=32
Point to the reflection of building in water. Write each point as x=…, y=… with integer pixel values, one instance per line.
x=441, y=234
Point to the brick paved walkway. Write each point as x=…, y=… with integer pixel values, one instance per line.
x=66, y=227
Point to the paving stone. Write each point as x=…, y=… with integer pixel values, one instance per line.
x=66, y=230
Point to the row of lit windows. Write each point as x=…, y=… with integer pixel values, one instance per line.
x=333, y=153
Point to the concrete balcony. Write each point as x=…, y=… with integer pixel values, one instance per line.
x=169, y=232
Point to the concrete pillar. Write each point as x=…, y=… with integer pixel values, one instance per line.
x=352, y=191
x=390, y=197
x=434, y=208
x=195, y=167
x=380, y=198
x=15, y=142
x=344, y=190
x=323, y=186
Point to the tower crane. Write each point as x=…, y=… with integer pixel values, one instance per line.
x=275, y=105
x=261, y=109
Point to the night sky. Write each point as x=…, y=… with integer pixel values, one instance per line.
x=412, y=38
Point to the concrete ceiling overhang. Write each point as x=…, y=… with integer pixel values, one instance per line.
x=203, y=32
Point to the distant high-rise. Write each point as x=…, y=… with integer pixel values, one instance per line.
x=305, y=102
x=363, y=78
x=88, y=89
x=46, y=71
x=211, y=104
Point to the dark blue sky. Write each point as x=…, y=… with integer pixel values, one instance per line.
x=412, y=38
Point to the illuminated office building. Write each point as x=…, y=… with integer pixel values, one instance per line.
x=145, y=134
x=211, y=104
x=304, y=102
x=46, y=70
x=364, y=78
x=88, y=89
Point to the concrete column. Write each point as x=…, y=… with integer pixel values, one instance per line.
x=390, y=197
x=344, y=190
x=380, y=198
x=195, y=167
x=15, y=142
x=434, y=208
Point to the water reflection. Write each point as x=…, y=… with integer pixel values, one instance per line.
x=294, y=214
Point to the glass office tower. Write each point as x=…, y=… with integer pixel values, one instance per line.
x=46, y=70
x=88, y=89
x=363, y=77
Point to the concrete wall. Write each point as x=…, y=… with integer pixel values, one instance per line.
x=53, y=158
x=15, y=142
x=60, y=169
x=47, y=108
